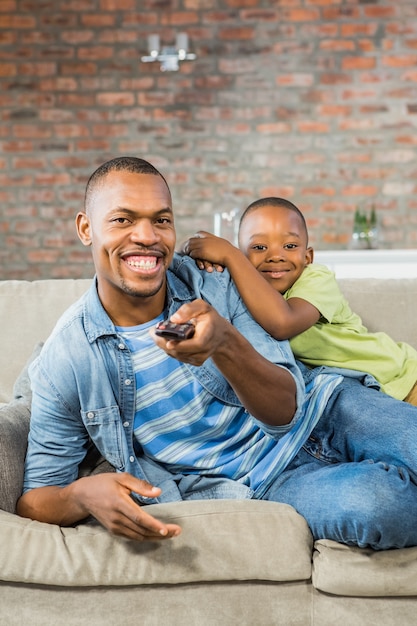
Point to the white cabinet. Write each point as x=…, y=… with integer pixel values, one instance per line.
x=369, y=263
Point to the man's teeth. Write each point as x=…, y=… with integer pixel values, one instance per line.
x=143, y=263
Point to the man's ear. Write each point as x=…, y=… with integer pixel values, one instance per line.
x=82, y=223
x=309, y=255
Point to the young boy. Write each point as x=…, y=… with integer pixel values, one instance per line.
x=305, y=303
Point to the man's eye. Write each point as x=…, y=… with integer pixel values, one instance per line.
x=120, y=220
x=163, y=220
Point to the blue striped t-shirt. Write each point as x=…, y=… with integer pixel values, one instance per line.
x=184, y=427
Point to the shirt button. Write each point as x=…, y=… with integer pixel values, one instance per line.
x=90, y=414
x=131, y=459
x=125, y=424
x=121, y=346
x=128, y=381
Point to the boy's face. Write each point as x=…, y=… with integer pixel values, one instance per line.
x=275, y=241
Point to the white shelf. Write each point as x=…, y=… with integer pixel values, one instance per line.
x=369, y=263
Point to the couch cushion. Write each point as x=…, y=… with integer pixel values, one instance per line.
x=221, y=540
x=350, y=571
x=14, y=427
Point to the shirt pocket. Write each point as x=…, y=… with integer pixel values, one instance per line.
x=105, y=429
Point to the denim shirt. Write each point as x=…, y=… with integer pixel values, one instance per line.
x=83, y=382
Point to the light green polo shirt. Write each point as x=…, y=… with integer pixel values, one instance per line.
x=339, y=338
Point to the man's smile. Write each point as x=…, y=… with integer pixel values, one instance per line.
x=143, y=263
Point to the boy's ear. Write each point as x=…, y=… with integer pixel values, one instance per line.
x=309, y=255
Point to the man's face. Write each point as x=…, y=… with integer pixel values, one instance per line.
x=275, y=242
x=130, y=227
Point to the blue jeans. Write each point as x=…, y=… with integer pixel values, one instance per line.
x=355, y=480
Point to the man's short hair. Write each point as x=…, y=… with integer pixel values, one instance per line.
x=131, y=164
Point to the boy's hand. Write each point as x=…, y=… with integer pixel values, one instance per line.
x=209, y=251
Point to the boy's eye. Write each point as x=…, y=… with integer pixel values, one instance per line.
x=259, y=246
x=290, y=246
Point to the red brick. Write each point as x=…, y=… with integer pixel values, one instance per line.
x=92, y=145
x=71, y=130
x=43, y=256
x=179, y=18
x=117, y=5
x=335, y=78
x=8, y=69
x=8, y=6
x=18, y=21
x=357, y=29
x=58, y=83
x=295, y=79
x=400, y=61
x=95, y=52
x=335, y=110
x=344, y=12
x=358, y=63
x=338, y=45
x=98, y=20
x=274, y=128
x=359, y=190
x=31, y=131
x=319, y=191
x=312, y=126
x=75, y=68
x=238, y=32
x=238, y=4
x=115, y=99
x=382, y=12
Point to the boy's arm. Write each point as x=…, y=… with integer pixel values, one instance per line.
x=281, y=318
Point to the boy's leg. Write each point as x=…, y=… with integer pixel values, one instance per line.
x=355, y=479
x=365, y=504
x=411, y=397
x=362, y=424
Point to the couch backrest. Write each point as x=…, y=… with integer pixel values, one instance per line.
x=29, y=310
x=388, y=305
x=28, y=313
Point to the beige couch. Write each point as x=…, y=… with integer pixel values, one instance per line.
x=236, y=562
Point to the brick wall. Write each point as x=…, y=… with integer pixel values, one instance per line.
x=313, y=100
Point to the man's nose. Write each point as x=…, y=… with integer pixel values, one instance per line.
x=143, y=231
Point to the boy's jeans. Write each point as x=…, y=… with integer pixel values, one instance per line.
x=355, y=480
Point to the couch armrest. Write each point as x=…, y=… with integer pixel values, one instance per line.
x=14, y=429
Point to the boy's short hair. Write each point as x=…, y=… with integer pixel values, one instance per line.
x=274, y=201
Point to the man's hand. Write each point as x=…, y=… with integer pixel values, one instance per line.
x=266, y=390
x=104, y=496
x=210, y=330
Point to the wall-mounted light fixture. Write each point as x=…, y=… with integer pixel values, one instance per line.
x=168, y=56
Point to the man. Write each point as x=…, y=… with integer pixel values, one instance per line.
x=207, y=417
x=89, y=382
